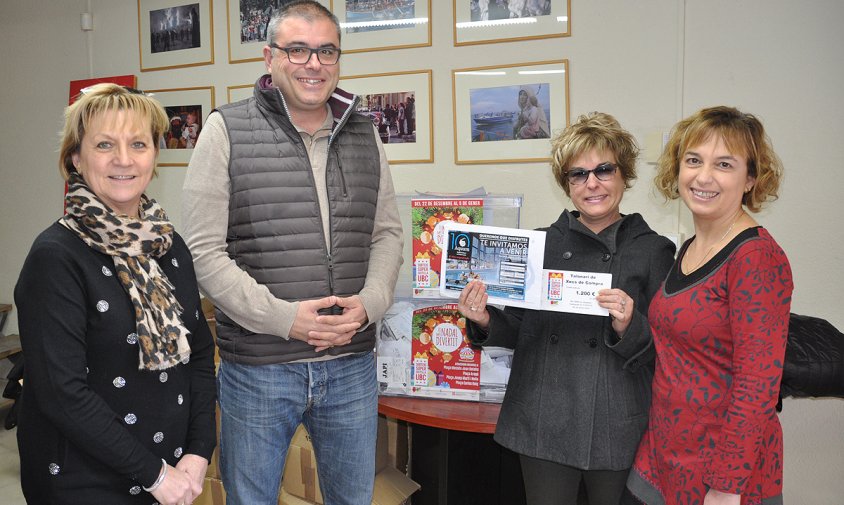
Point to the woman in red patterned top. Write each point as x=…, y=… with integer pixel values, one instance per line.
x=719, y=324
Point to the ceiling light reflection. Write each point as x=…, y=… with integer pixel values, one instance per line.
x=538, y=72
x=495, y=22
x=384, y=23
x=482, y=72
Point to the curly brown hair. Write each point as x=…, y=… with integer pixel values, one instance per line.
x=594, y=131
x=742, y=134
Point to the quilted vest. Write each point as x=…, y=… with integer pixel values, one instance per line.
x=275, y=230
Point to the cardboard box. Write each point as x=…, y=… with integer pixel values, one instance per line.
x=392, y=487
x=285, y=498
x=382, y=445
x=210, y=318
x=212, y=493
x=214, y=464
x=300, y=475
x=397, y=442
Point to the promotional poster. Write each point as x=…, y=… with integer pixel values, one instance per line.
x=427, y=216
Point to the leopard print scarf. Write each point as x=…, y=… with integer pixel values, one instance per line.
x=133, y=245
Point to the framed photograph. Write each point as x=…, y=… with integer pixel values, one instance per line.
x=239, y=92
x=175, y=33
x=247, y=26
x=399, y=105
x=378, y=25
x=507, y=114
x=489, y=21
x=187, y=109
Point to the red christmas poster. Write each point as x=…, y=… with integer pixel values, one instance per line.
x=426, y=215
x=444, y=364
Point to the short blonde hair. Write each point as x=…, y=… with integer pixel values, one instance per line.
x=99, y=99
x=742, y=134
x=594, y=131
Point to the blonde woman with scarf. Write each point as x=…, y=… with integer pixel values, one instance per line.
x=118, y=399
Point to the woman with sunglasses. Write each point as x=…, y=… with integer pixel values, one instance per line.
x=577, y=400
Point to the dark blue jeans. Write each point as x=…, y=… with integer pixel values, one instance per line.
x=261, y=406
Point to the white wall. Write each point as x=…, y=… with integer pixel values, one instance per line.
x=782, y=61
x=648, y=63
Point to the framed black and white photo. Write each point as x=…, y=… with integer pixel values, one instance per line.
x=247, y=26
x=508, y=113
x=490, y=21
x=175, y=33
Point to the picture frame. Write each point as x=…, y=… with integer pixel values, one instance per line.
x=191, y=106
x=175, y=33
x=492, y=21
x=246, y=27
x=400, y=25
x=383, y=96
x=509, y=113
x=239, y=92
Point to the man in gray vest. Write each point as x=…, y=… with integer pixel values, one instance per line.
x=290, y=213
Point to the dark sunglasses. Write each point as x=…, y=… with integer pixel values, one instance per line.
x=603, y=172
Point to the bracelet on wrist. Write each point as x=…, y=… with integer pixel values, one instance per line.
x=160, y=479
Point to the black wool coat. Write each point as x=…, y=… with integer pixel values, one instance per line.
x=94, y=428
x=577, y=394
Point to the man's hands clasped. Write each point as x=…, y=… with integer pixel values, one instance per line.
x=325, y=331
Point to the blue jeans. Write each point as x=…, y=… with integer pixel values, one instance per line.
x=261, y=406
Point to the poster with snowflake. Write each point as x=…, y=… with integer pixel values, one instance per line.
x=444, y=364
x=427, y=215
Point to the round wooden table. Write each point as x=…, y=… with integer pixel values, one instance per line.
x=474, y=417
x=453, y=456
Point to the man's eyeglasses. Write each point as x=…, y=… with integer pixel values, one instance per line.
x=603, y=172
x=300, y=55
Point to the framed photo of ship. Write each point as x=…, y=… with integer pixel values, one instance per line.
x=375, y=25
x=399, y=105
x=247, y=26
x=490, y=21
x=508, y=114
